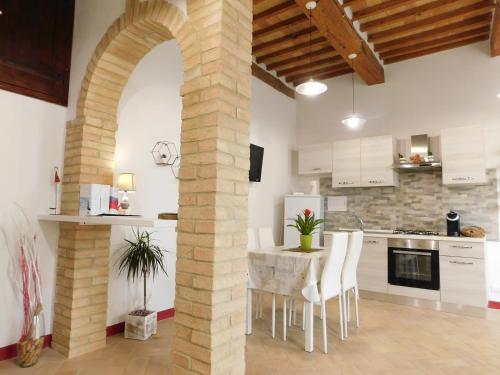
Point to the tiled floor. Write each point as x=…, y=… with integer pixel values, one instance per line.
x=393, y=339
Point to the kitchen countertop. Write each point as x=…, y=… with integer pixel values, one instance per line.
x=389, y=234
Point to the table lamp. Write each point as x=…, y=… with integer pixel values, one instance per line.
x=126, y=184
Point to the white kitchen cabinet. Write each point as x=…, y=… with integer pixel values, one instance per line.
x=315, y=159
x=463, y=155
x=372, y=266
x=346, y=164
x=463, y=281
x=378, y=155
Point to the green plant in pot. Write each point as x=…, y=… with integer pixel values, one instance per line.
x=306, y=224
x=141, y=258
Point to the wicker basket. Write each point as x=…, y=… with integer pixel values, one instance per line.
x=29, y=351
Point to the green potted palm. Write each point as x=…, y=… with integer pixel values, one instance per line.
x=306, y=224
x=141, y=258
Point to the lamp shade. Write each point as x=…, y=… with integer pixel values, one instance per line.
x=311, y=88
x=126, y=182
x=354, y=121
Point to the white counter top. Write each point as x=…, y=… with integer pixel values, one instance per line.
x=389, y=234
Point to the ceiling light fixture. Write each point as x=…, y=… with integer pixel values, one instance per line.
x=354, y=120
x=311, y=87
x=498, y=95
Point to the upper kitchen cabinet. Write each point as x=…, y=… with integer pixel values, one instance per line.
x=315, y=159
x=346, y=163
x=463, y=156
x=378, y=156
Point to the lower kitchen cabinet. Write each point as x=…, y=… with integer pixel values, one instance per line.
x=463, y=281
x=372, y=266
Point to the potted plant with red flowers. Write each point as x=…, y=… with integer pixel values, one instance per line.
x=306, y=224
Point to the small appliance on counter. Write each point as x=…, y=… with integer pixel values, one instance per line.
x=453, y=224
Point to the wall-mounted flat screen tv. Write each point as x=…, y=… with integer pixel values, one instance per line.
x=256, y=158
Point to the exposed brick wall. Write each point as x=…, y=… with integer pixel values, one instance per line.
x=210, y=300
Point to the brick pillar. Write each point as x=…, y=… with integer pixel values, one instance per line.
x=83, y=254
x=211, y=243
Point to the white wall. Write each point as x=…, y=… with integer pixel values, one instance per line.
x=447, y=89
x=272, y=127
x=31, y=144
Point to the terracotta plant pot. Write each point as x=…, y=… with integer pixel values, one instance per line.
x=28, y=352
x=306, y=241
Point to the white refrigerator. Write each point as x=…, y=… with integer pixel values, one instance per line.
x=295, y=204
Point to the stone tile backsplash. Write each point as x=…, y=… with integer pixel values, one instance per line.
x=420, y=202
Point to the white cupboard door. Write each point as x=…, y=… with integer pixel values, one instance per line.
x=377, y=161
x=463, y=156
x=346, y=164
x=372, y=266
x=315, y=159
x=463, y=281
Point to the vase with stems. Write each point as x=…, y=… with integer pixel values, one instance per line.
x=306, y=224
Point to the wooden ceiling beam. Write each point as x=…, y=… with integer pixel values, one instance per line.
x=330, y=20
x=272, y=81
x=375, y=10
x=331, y=61
x=275, y=10
x=322, y=77
x=280, y=26
x=495, y=33
x=284, y=51
x=290, y=60
x=352, y=3
x=316, y=72
x=429, y=51
x=409, y=15
x=283, y=39
x=481, y=8
x=436, y=43
x=448, y=30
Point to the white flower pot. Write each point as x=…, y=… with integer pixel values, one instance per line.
x=140, y=327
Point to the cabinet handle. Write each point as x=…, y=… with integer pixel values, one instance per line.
x=461, y=246
x=371, y=242
x=376, y=181
x=465, y=178
x=316, y=169
x=346, y=183
x=464, y=263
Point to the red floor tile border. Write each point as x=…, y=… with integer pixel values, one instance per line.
x=10, y=351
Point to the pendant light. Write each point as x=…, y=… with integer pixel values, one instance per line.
x=354, y=120
x=311, y=87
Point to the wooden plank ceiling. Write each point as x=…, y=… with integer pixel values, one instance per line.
x=398, y=29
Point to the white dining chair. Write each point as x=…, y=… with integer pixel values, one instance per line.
x=252, y=240
x=330, y=286
x=349, y=279
x=266, y=241
x=266, y=238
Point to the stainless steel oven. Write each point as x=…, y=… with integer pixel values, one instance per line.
x=413, y=263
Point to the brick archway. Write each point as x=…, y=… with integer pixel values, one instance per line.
x=215, y=43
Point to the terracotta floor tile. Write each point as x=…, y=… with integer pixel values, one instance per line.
x=392, y=339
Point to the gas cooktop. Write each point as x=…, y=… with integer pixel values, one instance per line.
x=415, y=232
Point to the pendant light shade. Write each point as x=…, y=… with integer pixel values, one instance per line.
x=354, y=121
x=311, y=88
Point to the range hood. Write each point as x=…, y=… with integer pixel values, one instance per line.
x=420, y=145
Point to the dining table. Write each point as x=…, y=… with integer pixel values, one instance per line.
x=290, y=273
